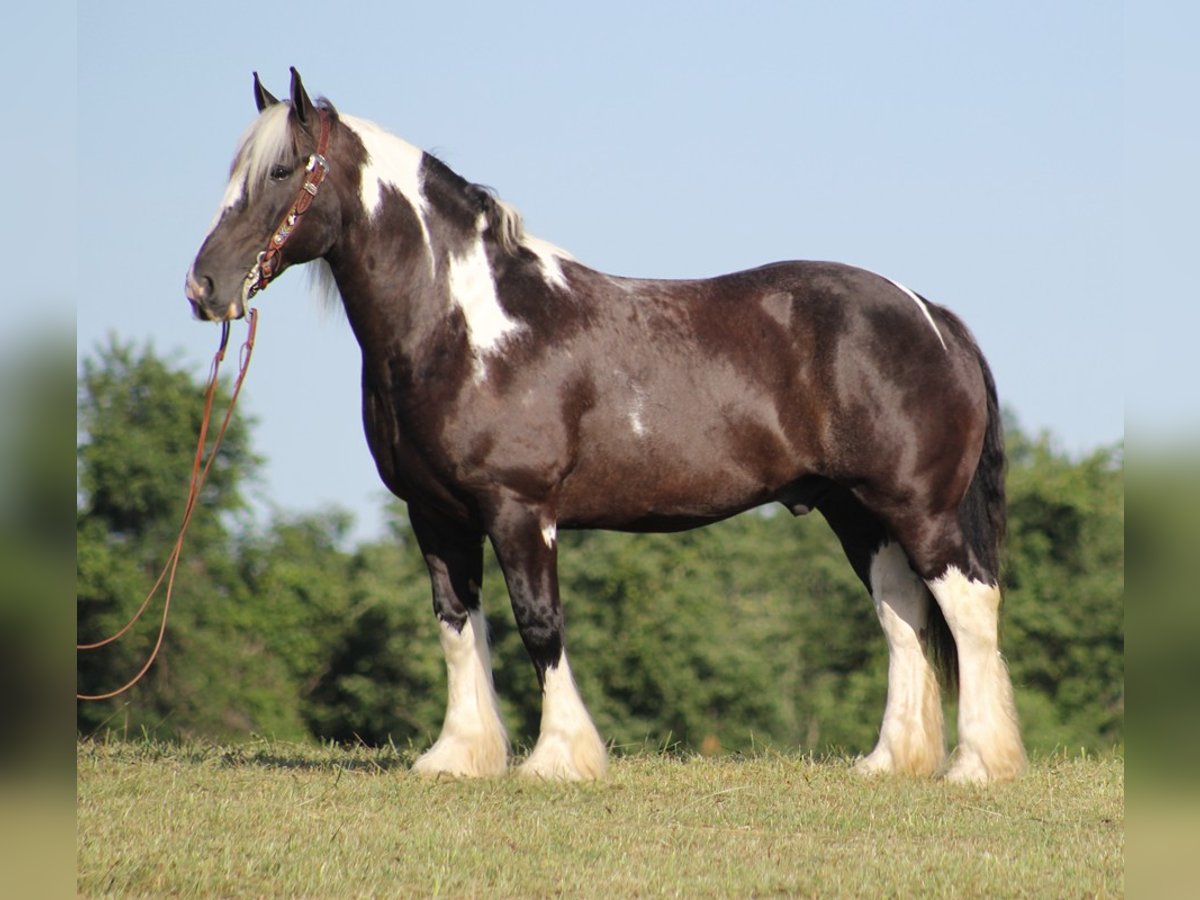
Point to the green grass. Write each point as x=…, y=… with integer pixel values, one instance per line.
x=272, y=819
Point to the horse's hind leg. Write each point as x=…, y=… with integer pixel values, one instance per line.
x=472, y=742
x=989, y=740
x=911, y=737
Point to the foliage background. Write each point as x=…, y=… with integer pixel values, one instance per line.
x=751, y=633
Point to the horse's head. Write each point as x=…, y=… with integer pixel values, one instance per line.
x=272, y=215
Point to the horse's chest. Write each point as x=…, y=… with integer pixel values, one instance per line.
x=408, y=460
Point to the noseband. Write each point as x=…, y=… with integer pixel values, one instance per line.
x=267, y=266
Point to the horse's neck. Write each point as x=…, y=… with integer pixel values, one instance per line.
x=396, y=292
x=419, y=272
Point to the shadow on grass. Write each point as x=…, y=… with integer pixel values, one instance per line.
x=266, y=754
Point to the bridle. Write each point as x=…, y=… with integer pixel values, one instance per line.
x=317, y=167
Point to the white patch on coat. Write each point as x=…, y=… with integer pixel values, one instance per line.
x=568, y=746
x=473, y=290
x=550, y=534
x=911, y=737
x=395, y=163
x=921, y=305
x=989, y=741
x=778, y=305
x=509, y=232
x=235, y=190
x=637, y=410
x=391, y=162
x=473, y=742
x=550, y=259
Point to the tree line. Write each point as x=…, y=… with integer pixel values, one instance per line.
x=749, y=634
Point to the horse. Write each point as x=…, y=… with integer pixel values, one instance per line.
x=509, y=391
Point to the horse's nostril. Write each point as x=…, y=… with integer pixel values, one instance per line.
x=197, y=289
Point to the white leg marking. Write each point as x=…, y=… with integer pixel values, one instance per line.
x=473, y=290
x=921, y=304
x=989, y=741
x=911, y=738
x=568, y=747
x=550, y=534
x=472, y=742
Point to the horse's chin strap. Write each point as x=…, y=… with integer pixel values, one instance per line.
x=267, y=266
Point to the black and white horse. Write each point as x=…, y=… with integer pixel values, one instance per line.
x=510, y=391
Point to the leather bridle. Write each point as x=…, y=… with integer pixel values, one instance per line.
x=267, y=265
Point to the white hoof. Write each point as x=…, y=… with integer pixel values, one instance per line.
x=969, y=767
x=569, y=747
x=877, y=762
x=914, y=754
x=558, y=757
x=455, y=756
x=472, y=743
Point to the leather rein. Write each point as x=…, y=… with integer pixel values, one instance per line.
x=264, y=270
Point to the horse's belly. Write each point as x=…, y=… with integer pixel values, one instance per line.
x=646, y=481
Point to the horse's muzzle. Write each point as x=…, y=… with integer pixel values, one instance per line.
x=199, y=293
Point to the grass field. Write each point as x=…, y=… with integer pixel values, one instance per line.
x=272, y=819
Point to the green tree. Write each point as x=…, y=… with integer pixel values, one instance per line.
x=138, y=421
x=753, y=632
x=1064, y=616
x=381, y=677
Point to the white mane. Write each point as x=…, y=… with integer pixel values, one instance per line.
x=390, y=161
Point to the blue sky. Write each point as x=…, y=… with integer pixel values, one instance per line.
x=1030, y=165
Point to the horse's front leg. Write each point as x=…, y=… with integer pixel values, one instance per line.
x=472, y=742
x=568, y=747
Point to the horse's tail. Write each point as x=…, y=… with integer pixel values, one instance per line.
x=983, y=512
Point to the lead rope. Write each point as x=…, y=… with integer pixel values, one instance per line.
x=199, y=475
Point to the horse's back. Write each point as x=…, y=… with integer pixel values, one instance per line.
x=746, y=383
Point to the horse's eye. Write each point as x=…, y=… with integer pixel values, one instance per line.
x=280, y=173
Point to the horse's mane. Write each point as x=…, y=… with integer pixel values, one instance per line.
x=503, y=220
x=500, y=219
x=269, y=140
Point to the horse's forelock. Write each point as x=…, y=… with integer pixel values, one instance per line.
x=268, y=140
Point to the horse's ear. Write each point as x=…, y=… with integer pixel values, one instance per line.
x=262, y=97
x=301, y=105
